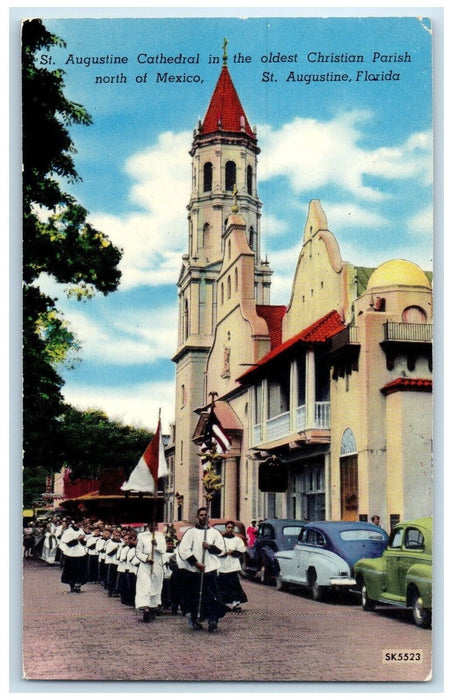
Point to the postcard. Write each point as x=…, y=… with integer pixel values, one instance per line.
x=228, y=328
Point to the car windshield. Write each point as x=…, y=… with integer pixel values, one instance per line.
x=368, y=535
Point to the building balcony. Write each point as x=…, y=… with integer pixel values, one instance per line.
x=288, y=427
x=408, y=332
x=410, y=339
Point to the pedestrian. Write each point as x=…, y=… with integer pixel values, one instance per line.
x=252, y=532
x=230, y=564
x=49, y=548
x=151, y=547
x=198, y=554
x=28, y=539
x=74, y=566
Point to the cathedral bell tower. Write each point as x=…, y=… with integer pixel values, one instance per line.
x=224, y=165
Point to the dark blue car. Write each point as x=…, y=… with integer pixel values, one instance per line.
x=325, y=553
x=273, y=535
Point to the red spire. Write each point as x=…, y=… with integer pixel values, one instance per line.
x=225, y=111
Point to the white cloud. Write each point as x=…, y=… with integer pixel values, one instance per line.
x=136, y=405
x=313, y=154
x=129, y=338
x=352, y=216
x=155, y=236
x=421, y=223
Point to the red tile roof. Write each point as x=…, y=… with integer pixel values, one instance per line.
x=407, y=384
x=273, y=316
x=319, y=331
x=225, y=107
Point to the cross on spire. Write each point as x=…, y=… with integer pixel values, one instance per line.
x=225, y=53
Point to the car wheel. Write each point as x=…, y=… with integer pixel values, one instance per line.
x=420, y=615
x=317, y=591
x=280, y=584
x=263, y=573
x=367, y=603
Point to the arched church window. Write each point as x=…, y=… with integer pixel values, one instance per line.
x=229, y=287
x=249, y=179
x=207, y=177
x=236, y=280
x=414, y=314
x=221, y=293
x=229, y=250
x=348, y=443
x=230, y=175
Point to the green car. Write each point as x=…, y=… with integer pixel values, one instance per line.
x=403, y=575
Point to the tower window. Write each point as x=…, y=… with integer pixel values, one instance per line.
x=229, y=287
x=230, y=175
x=206, y=235
x=207, y=177
x=252, y=238
x=249, y=179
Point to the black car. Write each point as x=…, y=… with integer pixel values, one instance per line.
x=273, y=536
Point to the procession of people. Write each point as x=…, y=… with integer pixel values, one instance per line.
x=151, y=571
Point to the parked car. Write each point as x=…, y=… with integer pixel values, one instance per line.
x=325, y=552
x=273, y=535
x=403, y=575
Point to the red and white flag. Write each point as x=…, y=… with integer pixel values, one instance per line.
x=151, y=466
x=214, y=435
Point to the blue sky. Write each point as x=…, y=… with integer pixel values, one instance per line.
x=363, y=147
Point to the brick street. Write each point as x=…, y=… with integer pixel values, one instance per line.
x=276, y=637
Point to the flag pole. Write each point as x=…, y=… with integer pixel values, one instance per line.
x=154, y=508
x=211, y=484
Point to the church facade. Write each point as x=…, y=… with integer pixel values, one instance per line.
x=327, y=401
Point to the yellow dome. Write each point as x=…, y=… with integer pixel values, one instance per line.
x=398, y=272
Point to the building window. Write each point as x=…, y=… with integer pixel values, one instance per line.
x=230, y=175
x=206, y=229
x=236, y=280
x=249, y=179
x=221, y=293
x=229, y=287
x=252, y=238
x=207, y=177
x=183, y=395
x=414, y=314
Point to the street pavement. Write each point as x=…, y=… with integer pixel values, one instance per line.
x=278, y=636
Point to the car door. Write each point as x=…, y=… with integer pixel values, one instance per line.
x=265, y=538
x=413, y=547
x=312, y=540
x=394, y=557
x=297, y=570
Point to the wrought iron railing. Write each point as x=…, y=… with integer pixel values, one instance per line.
x=408, y=332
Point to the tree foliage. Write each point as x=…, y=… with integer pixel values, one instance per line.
x=93, y=443
x=57, y=241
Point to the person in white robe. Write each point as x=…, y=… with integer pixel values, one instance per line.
x=151, y=546
x=230, y=564
x=49, y=548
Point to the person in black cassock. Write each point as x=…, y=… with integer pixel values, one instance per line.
x=198, y=556
x=75, y=557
